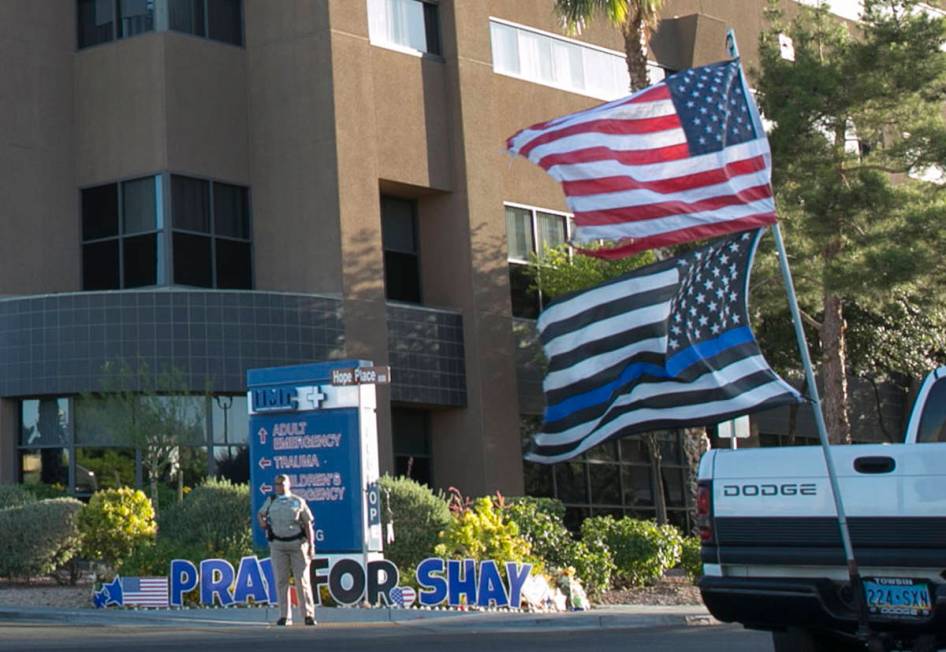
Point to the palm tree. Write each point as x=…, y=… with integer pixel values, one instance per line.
x=635, y=18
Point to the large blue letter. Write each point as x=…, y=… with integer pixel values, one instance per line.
x=249, y=582
x=433, y=588
x=465, y=585
x=517, y=577
x=491, y=587
x=216, y=576
x=183, y=579
x=266, y=565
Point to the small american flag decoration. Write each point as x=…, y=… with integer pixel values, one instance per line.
x=403, y=596
x=145, y=591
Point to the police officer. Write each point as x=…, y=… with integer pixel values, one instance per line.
x=288, y=524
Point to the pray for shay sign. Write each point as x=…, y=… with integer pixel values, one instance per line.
x=349, y=581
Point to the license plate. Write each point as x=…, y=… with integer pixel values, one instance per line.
x=897, y=596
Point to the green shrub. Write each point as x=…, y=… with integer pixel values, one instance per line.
x=641, y=551
x=41, y=491
x=690, y=560
x=154, y=557
x=113, y=523
x=551, y=506
x=14, y=495
x=593, y=566
x=418, y=515
x=546, y=533
x=482, y=532
x=38, y=538
x=214, y=517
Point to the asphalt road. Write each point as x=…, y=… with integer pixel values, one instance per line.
x=40, y=636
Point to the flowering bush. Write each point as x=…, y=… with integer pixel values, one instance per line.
x=479, y=530
x=113, y=523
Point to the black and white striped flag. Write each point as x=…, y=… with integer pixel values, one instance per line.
x=665, y=346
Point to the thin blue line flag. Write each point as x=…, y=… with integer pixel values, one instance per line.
x=664, y=346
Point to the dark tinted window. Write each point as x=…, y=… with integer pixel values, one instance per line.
x=225, y=21
x=187, y=16
x=234, y=267
x=96, y=21
x=141, y=260
x=138, y=208
x=100, y=212
x=410, y=433
x=933, y=421
x=136, y=16
x=525, y=301
x=432, y=28
x=190, y=203
x=399, y=239
x=192, y=260
x=231, y=214
x=100, y=266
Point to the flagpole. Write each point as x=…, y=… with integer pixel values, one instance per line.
x=857, y=587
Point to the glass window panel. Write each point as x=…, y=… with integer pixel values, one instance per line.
x=187, y=16
x=100, y=212
x=670, y=449
x=605, y=484
x=104, y=468
x=99, y=422
x=505, y=46
x=607, y=452
x=525, y=300
x=404, y=24
x=538, y=480
x=96, y=19
x=431, y=27
x=535, y=57
x=193, y=465
x=674, y=487
x=192, y=260
x=231, y=213
x=141, y=260
x=230, y=421
x=599, y=70
x=410, y=432
x=187, y=415
x=45, y=422
x=225, y=21
x=519, y=233
x=234, y=265
x=136, y=16
x=638, y=490
x=138, y=208
x=551, y=230
x=574, y=516
x=566, y=64
x=401, y=277
x=45, y=466
x=398, y=227
x=633, y=449
x=190, y=204
x=100, y=266
x=232, y=463
x=933, y=422
x=571, y=479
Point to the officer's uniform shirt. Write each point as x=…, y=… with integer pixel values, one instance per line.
x=289, y=515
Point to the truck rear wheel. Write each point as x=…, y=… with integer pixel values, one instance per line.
x=795, y=639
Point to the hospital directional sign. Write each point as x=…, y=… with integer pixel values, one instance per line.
x=324, y=438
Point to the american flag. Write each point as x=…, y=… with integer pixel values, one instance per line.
x=144, y=591
x=665, y=346
x=682, y=160
x=403, y=596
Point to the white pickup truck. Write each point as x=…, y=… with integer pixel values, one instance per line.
x=771, y=545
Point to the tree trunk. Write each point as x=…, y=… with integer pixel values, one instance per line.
x=635, y=48
x=656, y=474
x=834, y=358
x=695, y=443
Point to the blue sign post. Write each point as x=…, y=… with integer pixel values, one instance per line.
x=316, y=423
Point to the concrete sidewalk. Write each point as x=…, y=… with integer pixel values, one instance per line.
x=611, y=617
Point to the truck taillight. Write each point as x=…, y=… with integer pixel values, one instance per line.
x=704, y=508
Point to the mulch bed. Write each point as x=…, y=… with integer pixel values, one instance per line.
x=670, y=590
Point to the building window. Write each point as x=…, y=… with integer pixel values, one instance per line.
x=615, y=477
x=410, y=432
x=211, y=227
x=570, y=65
x=399, y=239
x=231, y=455
x=121, y=235
x=408, y=24
x=530, y=231
x=100, y=21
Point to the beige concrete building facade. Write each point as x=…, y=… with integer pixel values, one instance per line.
x=217, y=185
